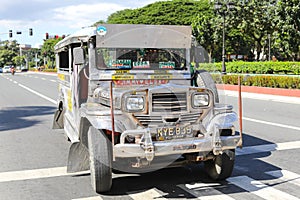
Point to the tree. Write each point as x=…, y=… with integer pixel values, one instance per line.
x=288, y=31
x=204, y=29
x=48, y=50
x=19, y=60
x=176, y=12
x=255, y=20
x=8, y=50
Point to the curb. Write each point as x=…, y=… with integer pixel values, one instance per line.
x=262, y=90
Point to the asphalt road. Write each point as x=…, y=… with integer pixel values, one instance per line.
x=33, y=156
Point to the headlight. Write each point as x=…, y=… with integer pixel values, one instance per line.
x=200, y=100
x=135, y=103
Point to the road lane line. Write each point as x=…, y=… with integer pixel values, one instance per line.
x=37, y=93
x=272, y=123
x=35, y=174
x=286, y=176
x=260, y=189
x=268, y=148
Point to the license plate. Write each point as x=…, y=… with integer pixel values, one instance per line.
x=168, y=133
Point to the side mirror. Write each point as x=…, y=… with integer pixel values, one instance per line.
x=78, y=54
x=201, y=55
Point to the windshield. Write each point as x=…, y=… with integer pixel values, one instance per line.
x=137, y=58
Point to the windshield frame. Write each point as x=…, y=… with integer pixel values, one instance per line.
x=142, y=58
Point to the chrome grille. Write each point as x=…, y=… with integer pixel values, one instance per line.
x=169, y=102
x=147, y=120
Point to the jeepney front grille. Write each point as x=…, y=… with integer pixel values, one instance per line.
x=169, y=102
x=147, y=120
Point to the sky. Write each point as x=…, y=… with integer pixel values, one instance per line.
x=56, y=17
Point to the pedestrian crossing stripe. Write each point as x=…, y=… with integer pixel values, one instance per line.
x=260, y=189
x=268, y=148
x=252, y=186
x=286, y=176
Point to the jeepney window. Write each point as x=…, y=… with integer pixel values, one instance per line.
x=63, y=60
x=137, y=58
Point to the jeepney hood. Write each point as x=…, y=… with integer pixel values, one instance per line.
x=118, y=91
x=170, y=92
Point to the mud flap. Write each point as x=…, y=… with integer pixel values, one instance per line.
x=58, y=120
x=78, y=159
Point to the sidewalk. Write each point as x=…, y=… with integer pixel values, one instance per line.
x=262, y=93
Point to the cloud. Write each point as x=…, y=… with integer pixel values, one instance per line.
x=56, y=16
x=85, y=14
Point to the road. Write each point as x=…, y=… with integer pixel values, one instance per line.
x=33, y=156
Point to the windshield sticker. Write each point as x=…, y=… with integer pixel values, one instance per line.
x=159, y=76
x=122, y=77
x=101, y=30
x=166, y=65
x=141, y=65
x=139, y=82
x=120, y=64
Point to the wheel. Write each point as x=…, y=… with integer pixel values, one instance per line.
x=221, y=166
x=100, y=150
x=204, y=79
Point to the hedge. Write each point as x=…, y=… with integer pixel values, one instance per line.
x=254, y=67
x=288, y=82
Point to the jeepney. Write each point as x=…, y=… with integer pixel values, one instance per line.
x=130, y=101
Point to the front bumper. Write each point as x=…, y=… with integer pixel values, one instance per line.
x=149, y=149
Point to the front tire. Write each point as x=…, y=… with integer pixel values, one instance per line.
x=221, y=166
x=100, y=150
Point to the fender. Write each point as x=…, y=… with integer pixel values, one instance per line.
x=78, y=159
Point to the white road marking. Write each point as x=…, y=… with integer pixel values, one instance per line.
x=35, y=174
x=149, y=194
x=192, y=188
x=37, y=93
x=286, y=176
x=260, y=189
x=90, y=198
x=268, y=148
x=53, y=81
x=216, y=197
x=272, y=123
x=43, y=79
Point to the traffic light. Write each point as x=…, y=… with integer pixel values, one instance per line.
x=47, y=36
x=10, y=33
x=30, y=32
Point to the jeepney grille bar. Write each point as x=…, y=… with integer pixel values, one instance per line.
x=169, y=102
x=147, y=120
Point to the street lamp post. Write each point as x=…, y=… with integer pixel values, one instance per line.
x=223, y=8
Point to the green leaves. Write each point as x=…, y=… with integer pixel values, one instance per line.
x=292, y=68
x=174, y=12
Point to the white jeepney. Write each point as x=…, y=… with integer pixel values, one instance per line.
x=130, y=101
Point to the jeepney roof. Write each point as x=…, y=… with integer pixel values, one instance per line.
x=143, y=36
x=82, y=35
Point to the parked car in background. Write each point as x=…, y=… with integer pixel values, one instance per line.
x=1, y=70
x=6, y=69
